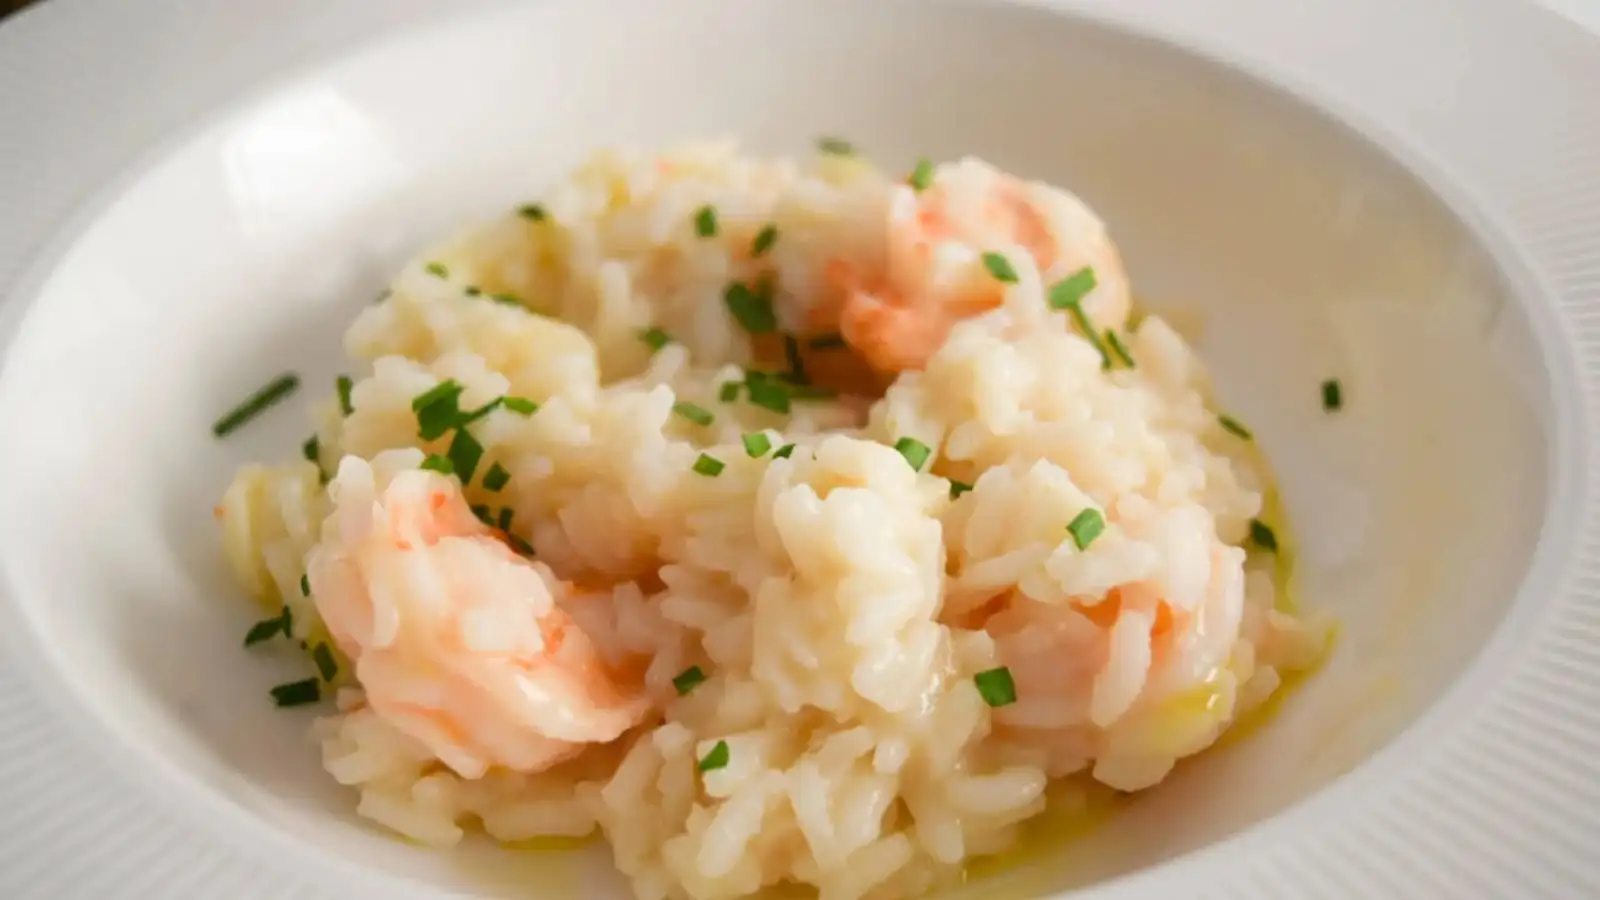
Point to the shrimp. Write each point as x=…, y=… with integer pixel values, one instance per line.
x=934, y=274
x=456, y=640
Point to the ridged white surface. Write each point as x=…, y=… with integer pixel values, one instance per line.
x=1496, y=793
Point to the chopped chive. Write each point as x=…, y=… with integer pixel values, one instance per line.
x=996, y=687
x=482, y=513
x=504, y=520
x=312, y=449
x=693, y=412
x=705, y=221
x=767, y=392
x=752, y=310
x=1000, y=267
x=507, y=299
x=756, y=445
x=915, y=452
x=826, y=342
x=811, y=392
x=437, y=409
x=688, y=680
x=716, y=759
x=344, y=386
x=957, y=488
x=1332, y=395
x=297, y=693
x=288, y=621
x=1262, y=535
x=784, y=452
x=473, y=290
x=465, y=453
x=496, y=478
x=1085, y=527
x=256, y=404
x=655, y=338
x=1235, y=426
x=305, y=585
x=729, y=391
x=522, y=406
x=1119, y=348
x=764, y=240
x=437, y=270
x=709, y=466
x=835, y=146
x=519, y=545
x=326, y=667
x=922, y=175
x=265, y=630
x=437, y=463
x=480, y=412
x=533, y=212
x=797, y=363
x=1070, y=291
x=382, y=296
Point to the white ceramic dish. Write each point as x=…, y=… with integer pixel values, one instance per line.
x=1439, y=253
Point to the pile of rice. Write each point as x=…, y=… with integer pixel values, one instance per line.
x=839, y=602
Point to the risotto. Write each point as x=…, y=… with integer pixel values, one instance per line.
x=785, y=524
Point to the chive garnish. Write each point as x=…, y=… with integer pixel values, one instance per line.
x=464, y=453
x=756, y=445
x=709, y=466
x=437, y=270
x=729, y=391
x=705, y=221
x=752, y=310
x=1070, y=291
x=482, y=513
x=1119, y=348
x=312, y=449
x=297, y=693
x=1085, y=527
x=1262, y=535
x=480, y=412
x=519, y=545
x=326, y=667
x=437, y=463
x=784, y=452
x=496, y=478
x=716, y=759
x=915, y=452
x=767, y=392
x=826, y=342
x=344, y=386
x=1332, y=395
x=305, y=586
x=764, y=240
x=922, y=175
x=834, y=146
x=797, y=363
x=522, y=406
x=266, y=629
x=507, y=299
x=957, y=488
x=473, y=290
x=693, y=412
x=256, y=404
x=655, y=338
x=533, y=212
x=996, y=687
x=1000, y=267
x=1235, y=426
x=504, y=520
x=688, y=680
x=437, y=409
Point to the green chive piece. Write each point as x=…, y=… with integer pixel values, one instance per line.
x=482, y=513
x=1119, y=348
x=1085, y=527
x=437, y=409
x=437, y=270
x=326, y=667
x=751, y=310
x=533, y=212
x=826, y=342
x=344, y=386
x=996, y=687
x=729, y=391
x=767, y=392
x=835, y=146
x=464, y=454
x=915, y=452
x=655, y=338
x=496, y=478
x=519, y=545
x=264, y=630
x=312, y=449
x=1235, y=426
x=797, y=363
x=522, y=406
x=784, y=452
x=709, y=466
x=705, y=221
x=504, y=522
x=1332, y=395
x=764, y=240
x=256, y=404
x=437, y=463
x=1000, y=267
x=756, y=445
x=473, y=290
x=1262, y=535
x=957, y=488
x=688, y=680
x=922, y=175
x=305, y=585
x=507, y=299
x=297, y=693
x=1070, y=291
x=694, y=413
x=716, y=759
x=382, y=296
x=480, y=412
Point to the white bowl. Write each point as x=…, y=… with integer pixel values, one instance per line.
x=1308, y=252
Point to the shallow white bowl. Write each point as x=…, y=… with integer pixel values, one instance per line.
x=1441, y=505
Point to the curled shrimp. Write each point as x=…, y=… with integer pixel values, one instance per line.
x=457, y=640
x=934, y=274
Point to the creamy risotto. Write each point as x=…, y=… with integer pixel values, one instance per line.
x=781, y=523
